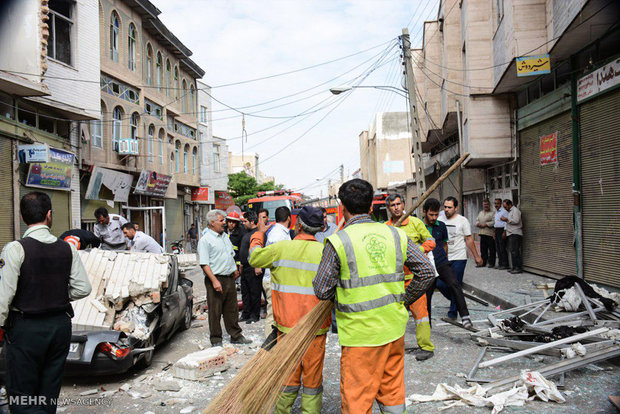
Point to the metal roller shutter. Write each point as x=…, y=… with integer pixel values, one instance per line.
x=546, y=201
x=6, y=189
x=174, y=220
x=600, y=175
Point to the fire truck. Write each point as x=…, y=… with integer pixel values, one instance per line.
x=379, y=211
x=271, y=200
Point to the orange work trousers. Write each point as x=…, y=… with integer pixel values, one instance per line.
x=369, y=373
x=310, y=370
x=418, y=308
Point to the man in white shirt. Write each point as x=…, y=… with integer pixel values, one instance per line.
x=459, y=239
x=279, y=231
x=108, y=229
x=140, y=241
x=500, y=226
x=514, y=233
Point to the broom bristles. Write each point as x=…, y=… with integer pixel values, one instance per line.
x=257, y=386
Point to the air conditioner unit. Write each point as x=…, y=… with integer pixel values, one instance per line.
x=128, y=146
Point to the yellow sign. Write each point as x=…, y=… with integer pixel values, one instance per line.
x=533, y=65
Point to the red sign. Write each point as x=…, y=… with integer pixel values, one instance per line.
x=223, y=200
x=549, y=149
x=200, y=195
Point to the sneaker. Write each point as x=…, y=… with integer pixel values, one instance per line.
x=243, y=318
x=242, y=340
x=422, y=355
x=515, y=271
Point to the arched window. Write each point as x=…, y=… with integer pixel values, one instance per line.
x=161, y=146
x=115, y=32
x=176, y=82
x=184, y=97
x=131, y=47
x=151, y=142
x=168, y=77
x=192, y=100
x=117, y=124
x=158, y=71
x=133, y=127
x=149, y=65
x=186, y=159
x=177, y=156
x=194, y=160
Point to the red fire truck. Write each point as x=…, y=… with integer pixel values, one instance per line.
x=271, y=200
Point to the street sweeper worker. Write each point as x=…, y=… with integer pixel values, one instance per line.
x=416, y=231
x=293, y=265
x=362, y=268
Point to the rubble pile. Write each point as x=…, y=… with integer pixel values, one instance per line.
x=202, y=364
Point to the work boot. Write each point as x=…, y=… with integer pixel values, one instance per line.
x=312, y=400
x=271, y=340
x=422, y=355
x=242, y=340
x=286, y=400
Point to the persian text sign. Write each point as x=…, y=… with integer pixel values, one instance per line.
x=223, y=200
x=549, y=149
x=152, y=183
x=200, y=195
x=601, y=79
x=55, y=174
x=533, y=65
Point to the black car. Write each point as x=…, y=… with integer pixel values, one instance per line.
x=112, y=352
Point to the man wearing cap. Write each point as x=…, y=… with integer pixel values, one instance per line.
x=108, y=229
x=293, y=265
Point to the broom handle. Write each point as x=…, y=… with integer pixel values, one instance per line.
x=432, y=188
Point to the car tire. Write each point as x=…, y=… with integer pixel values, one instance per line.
x=146, y=359
x=187, y=317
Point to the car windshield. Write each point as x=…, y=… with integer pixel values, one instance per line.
x=271, y=206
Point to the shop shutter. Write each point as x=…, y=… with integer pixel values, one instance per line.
x=6, y=189
x=600, y=175
x=546, y=201
x=174, y=220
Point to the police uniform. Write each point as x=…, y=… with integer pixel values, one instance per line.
x=111, y=234
x=39, y=276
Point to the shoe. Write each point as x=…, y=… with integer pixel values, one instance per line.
x=466, y=322
x=214, y=344
x=515, y=271
x=492, y=266
x=243, y=318
x=482, y=265
x=451, y=317
x=242, y=340
x=263, y=315
x=271, y=340
x=422, y=355
x=251, y=320
x=503, y=268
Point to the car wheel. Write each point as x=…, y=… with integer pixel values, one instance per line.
x=147, y=358
x=187, y=318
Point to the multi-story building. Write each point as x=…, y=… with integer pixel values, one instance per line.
x=49, y=71
x=528, y=88
x=248, y=163
x=147, y=130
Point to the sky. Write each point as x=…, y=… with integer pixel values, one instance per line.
x=305, y=133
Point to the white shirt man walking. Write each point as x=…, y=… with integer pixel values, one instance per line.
x=514, y=233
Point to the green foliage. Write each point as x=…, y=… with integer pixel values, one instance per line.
x=244, y=187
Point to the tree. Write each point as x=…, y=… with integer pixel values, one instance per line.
x=244, y=187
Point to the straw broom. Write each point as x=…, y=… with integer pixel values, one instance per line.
x=257, y=386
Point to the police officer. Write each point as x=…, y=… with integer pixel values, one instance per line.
x=39, y=276
x=108, y=229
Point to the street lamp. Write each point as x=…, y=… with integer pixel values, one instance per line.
x=340, y=89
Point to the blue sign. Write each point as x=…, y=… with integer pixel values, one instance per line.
x=54, y=174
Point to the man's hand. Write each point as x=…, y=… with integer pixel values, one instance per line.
x=503, y=218
x=479, y=261
x=262, y=227
x=236, y=274
x=217, y=286
x=258, y=271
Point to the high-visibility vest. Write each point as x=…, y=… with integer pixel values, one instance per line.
x=370, y=292
x=293, y=265
x=415, y=229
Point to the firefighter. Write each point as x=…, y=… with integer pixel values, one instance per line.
x=293, y=265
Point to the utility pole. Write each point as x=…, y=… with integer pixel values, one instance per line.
x=341, y=173
x=416, y=150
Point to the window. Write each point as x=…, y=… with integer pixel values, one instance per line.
x=177, y=155
x=176, y=82
x=194, y=158
x=170, y=122
x=96, y=130
x=203, y=114
x=161, y=146
x=158, y=70
x=135, y=121
x=131, y=48
x=117, y=124
x=149, y=65
x=60, y=30
x=168, y=75
x=186, y=159
x=216, y=158
x=192, y=99
x=151, y=142
x=115, y=29
x=171, y=163
x=184, y=97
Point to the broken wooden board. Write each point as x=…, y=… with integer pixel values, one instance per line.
x=460, y=325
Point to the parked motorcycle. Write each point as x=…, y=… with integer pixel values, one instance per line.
x=177, y=247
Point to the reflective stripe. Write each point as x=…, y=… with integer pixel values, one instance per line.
x=393, y=409
x=421, y=320
x=313, y=391
x=370, y=280
x=291, y=389
x=294, y=264
x=349, y=253
x=302, y=290
x=370, y=304
x=399, y=249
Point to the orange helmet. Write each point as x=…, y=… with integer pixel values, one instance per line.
x=234, y=216
x=74, y=240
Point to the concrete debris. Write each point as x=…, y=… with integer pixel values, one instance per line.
x=107, y=394
x=187, y=261
x=174, y=401
x=200, y=364
x=160, y=385
x=574, y=350
x=570, y=301
x=89, y=392
x=187, y=410
x=125, y=387
x=612, y=334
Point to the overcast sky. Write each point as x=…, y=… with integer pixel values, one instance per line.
x=238, y=40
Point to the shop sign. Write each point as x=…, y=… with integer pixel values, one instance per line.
x=152, y=183
x=33, y=153
x=533, y=65
x=201, y=195
x=223, y=200
x=549, y=149
x=55, y=174
x=601, y=79
x=117, y=184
